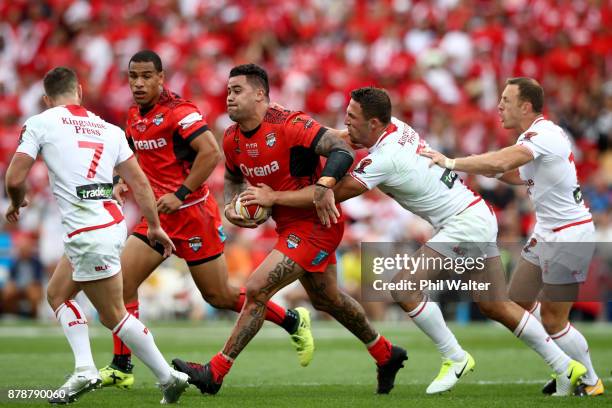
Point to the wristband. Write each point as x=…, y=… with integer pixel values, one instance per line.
x=182, y=192
x=116, y=179
x=449, y=164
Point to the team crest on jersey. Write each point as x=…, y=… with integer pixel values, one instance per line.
x=195, y=243
x=360, y=169
x=270, y=139
x=320, y=257
x=141, y=126
x=532, y=243
x=158, y=119
x=23, y=129
x=293, y=241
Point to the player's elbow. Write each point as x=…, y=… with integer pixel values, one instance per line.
x=14, y=183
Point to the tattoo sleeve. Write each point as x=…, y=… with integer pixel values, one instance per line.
x=331, y=140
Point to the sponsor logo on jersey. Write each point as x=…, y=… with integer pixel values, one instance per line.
x=307, y=122
x=195, y=243
x=578, y=195
x=102, y=191
x=101, y=268
x=360, y=169
x=293, y=241
x=252, y=150
x=23, y=129
x=150, y=144
x=270, y=139
x=448, y=178
x=190, y=119
x=260, y=171
x=319, y=258
x=158, y=119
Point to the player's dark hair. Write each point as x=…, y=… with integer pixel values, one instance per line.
x=529, y=91
x=256, y=75
x=374, y=102
x=147, y=56
x=60, y=81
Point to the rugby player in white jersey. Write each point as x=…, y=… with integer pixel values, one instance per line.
x=458, y=215
x=81, y=151
x=557, y=256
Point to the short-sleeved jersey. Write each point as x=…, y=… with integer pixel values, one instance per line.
x=161, y=139
x=80, y=150
x=396, y=168
x=279, y=153
x=551, y=176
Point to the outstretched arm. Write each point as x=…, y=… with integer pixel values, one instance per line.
x=263, y=195
x=500, y=161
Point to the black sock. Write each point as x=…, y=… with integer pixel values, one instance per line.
x=123, y=362
x=291, y=321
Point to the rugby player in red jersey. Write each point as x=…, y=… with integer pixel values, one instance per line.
x=177, y=152
x=282, y=148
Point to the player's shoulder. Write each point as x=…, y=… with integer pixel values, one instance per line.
x=173, y=101
x=278, y=115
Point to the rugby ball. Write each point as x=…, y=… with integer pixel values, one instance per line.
x=253, y=212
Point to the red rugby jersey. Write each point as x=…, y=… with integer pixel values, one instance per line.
x=160, y=138
x=279, y=153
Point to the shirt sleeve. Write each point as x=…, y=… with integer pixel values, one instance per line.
x=189, y=121
x=30, y=139
x=230, y=146
x=125, y=152
x=539, y=144
x=372, y=170
x=302, y=130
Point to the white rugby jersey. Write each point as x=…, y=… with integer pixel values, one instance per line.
x=551, y=176
x=81, y=150
x=396, y=168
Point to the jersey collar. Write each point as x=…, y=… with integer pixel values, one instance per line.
x=391, y=127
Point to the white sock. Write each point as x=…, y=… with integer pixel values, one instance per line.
x=428, y=317
x=532, y=333
x=535, y=311
x=73, y=321
x=138, y=338
x=573, y=343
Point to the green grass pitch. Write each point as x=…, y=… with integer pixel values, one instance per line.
x=267, y=374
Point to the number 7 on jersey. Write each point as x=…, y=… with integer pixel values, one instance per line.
x=98, y=148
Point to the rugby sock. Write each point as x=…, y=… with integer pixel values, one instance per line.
x=274, y=313
x=380, y=349
x=220, y=365
x=532, y=333
x=428, y=317
x=73, y=322
x=535, y=311
x=573, y=343
x=122, y=354
x=140, y=340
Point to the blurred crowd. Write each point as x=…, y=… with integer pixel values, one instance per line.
x=443, y=62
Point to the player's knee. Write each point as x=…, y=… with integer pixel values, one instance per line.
x=255, y=293
x=219, y=300
x=492, y=310
x=110, y=317
x=55, y=298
